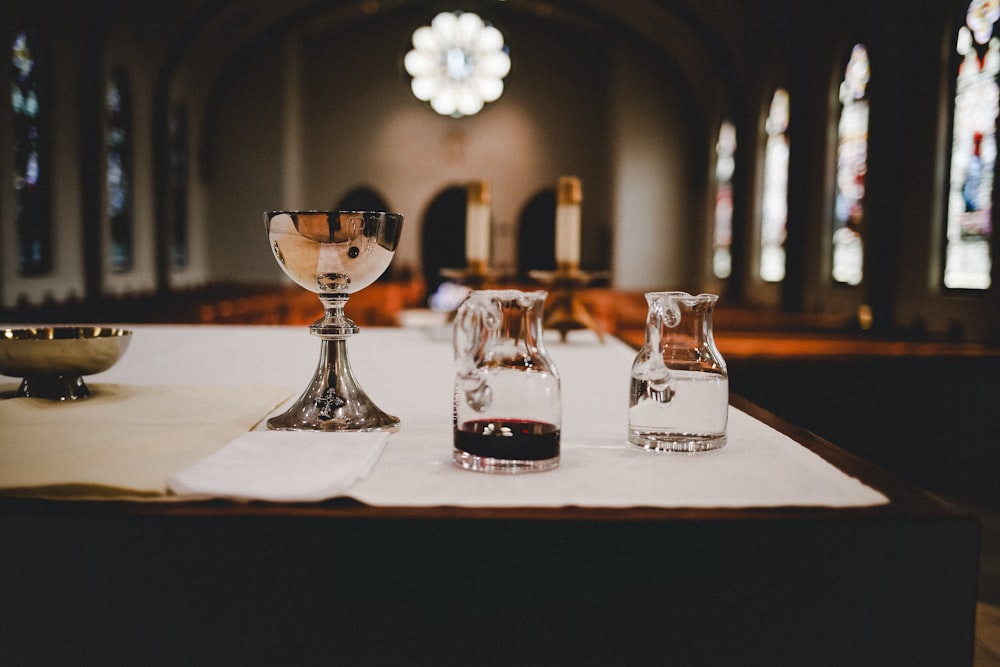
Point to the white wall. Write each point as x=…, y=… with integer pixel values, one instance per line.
x=362, y=126
x=654, y=244
x=353, y=121
x=246, y=175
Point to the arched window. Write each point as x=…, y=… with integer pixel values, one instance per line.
x=179, y=175
x=852, y=167
x=31, y=159
x=725, y=165
x=118, y=107
x=774, y=213
x=973, y=150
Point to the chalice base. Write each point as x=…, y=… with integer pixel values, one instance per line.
x=334, y=401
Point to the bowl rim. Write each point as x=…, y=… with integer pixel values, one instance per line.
x=61, y=332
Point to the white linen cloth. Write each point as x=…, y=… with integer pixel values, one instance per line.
x=282, y=466
x=125, y=439
x=409, y=372
x=758, y=467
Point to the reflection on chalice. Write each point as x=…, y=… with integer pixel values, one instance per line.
x=334, y=254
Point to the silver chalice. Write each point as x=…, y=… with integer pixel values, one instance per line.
x=334, y=254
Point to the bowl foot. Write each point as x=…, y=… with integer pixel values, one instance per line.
x=54, y=387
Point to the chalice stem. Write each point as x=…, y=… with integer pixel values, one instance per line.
x=334, y=401
x=334, y=323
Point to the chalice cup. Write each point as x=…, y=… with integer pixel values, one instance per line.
x=334, y=254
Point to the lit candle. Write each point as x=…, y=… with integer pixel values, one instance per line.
x=568, y=197
x=477, y=225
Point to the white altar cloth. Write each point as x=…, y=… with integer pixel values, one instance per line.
x=409, y=373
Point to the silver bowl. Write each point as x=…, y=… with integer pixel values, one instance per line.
x=53, y=360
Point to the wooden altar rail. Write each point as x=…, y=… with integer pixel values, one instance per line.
x=740, y=332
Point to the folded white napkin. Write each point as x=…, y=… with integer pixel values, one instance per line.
x=283, y=466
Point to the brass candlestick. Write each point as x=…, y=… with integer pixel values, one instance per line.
x=474, y=276
x=566, y=312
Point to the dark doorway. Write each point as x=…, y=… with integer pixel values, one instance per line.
x=443, y=236
x=362, y=198
x=536, y=234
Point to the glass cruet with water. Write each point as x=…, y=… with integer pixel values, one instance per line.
x=679, y=393
x=507, y=396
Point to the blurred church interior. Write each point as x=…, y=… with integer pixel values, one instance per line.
x=825, y=166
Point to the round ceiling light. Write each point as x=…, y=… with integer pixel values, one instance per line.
x=458, y=64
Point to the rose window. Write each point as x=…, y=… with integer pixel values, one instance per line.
x=458, y=64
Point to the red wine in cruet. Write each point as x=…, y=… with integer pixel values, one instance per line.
x=509, y=439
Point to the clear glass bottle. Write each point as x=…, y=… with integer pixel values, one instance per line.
x=679, y=394
x=508, y=412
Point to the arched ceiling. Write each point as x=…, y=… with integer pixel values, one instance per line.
x=704, y=40
x=701, y=44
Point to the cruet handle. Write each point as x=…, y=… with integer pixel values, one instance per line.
x=658, y=378
x=472, y=328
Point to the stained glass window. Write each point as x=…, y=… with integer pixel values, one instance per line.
x=119, y=171
x=973, y=150
x=31, y=172
x=725, y=165
x=774, y=214
x=852, y=167
x=179, y=174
